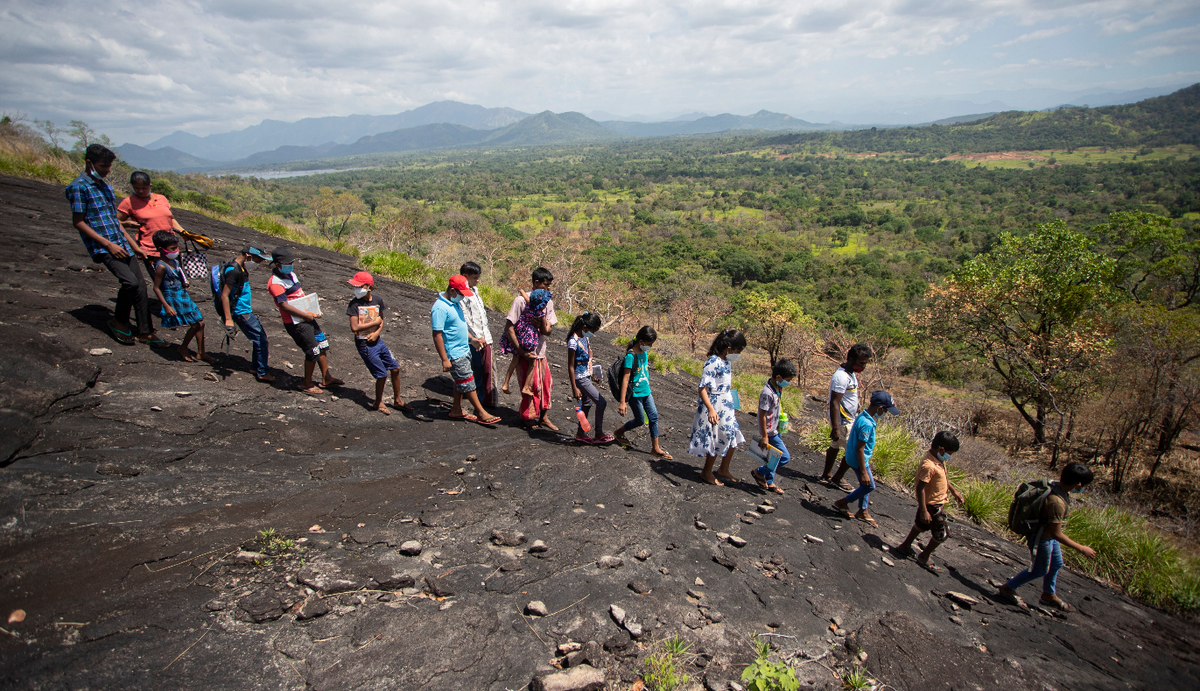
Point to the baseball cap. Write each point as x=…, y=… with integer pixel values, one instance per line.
x=254, y=252
x=884, y=400
x=362, y=278
x=283, y=255
x=459, y=283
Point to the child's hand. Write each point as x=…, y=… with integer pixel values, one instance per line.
x=447, y=366
x=712, y=417
x=621, y=409
x=524, y=295
x=1087, y=551
x=170, y=312
x=762, y=443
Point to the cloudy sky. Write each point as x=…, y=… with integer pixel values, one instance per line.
x=137, y=71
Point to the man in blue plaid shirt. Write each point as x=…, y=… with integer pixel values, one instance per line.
x=94, y=214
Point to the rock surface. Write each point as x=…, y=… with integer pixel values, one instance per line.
x=119, y=526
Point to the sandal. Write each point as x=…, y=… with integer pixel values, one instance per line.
x=931, y=568
x=465, y=416
x=606, y=439
x=843, y=485
x=1011, y=597
x=487, y=421
x=121, y=335
x=584, y=440
x=864, y=516
x=762, y=481
x=664, y=455
x=774, y=488
x=332, y=383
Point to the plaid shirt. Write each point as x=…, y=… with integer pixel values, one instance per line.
x=96, y=201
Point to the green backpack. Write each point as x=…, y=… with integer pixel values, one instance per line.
x=1025, y=511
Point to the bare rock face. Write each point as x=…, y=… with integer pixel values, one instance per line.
x=580, y=678
x=326, y=578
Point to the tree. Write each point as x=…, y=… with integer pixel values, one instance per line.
x=85, y=136
x=1155, y=259
x=320, y=208
x=694, y=302
x=773, y=322
x=1032, y=310
x=345, y=205
x=53, y=132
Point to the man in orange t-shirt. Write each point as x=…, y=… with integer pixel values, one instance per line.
x=146, y=212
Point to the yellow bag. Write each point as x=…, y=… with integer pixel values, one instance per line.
x=201, y=240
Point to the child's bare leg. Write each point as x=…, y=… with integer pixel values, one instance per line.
x=456, y=407
x=380, y=385
x=723, y=471
x=707, y=475
x=473, y=397
x=395, y=376
x=327, y=379
x=512, y=367
x=200, y=344
x=183, y=347
x=529, y=377
x=309, y=367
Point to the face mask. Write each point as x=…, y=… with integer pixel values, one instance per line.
x=783, y=383
x=249, y=264
x=171, y=255
x=456, y=299
x=286, y=269
x=732, y=357
x=857, y=368
x=587, y=334
x=361, y=292
x=94, y=173
x=1077, y=490
x=943, y=457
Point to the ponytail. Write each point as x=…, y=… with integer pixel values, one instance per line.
x=588, y=320
x=729, y=339
x=646, y=334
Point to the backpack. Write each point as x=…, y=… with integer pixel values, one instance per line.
x=216, y=277
x=615, y=374
x=1025, y=511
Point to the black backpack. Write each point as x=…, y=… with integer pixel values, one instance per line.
x=1025, y=511
x=615, y=374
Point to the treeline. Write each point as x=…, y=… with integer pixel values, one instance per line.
x=1163, y=121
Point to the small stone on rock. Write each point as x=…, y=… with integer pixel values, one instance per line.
x=410, y=548
x=701, y=525
x=508, y=538
x=99, y=351
x=716, y=617
x=538, y=546
x=957, y=620
x=887, y=561
x=537, y=608
x=862, y=656
x=618, y=614
x=635, y=630
x=639, y=587
x=737, y=541
x=775, y=625
x=471, y=458
x=156, y=409
x=696, y=594
x=699, y=582
x=610, y=562
x=814, y=539
x=643, y=555
x=460, y=471
x=722, y=536
x=765, y=508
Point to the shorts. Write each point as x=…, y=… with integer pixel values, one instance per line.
x=938, y=523
x=376, y=357
x=309, y=338
x=463, y=375
x=841, y=442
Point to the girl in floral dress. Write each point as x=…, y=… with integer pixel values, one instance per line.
x=715, y=430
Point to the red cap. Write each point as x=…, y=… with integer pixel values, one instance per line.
x=362, y=278
x=459, y=283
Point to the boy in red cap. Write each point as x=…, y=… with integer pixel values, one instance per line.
x=366, y=321
x=451, y=337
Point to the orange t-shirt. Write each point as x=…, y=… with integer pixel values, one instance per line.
x=154, y=214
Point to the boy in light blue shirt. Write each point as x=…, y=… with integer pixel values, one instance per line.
x=451, y=336
x=860, y=446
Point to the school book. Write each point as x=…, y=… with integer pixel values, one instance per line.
x=770, y=457
x=308, y=303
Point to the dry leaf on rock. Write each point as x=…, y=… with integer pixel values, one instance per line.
x=17, y=616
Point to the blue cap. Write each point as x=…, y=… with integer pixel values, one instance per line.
x=883, y=399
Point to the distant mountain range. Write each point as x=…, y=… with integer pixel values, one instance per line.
x=449, y=124
x=181, y=152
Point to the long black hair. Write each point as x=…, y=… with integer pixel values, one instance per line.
x=646, y=334
x=589, y=321
x=729, y=339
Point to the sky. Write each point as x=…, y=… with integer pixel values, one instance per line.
x=138, y=71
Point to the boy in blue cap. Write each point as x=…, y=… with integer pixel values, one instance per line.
x=233, y=302
x=860, y=445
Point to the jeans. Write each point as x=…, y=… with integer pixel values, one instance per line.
x=862, y=493
x=1046, y=564
x=132, y=295
x=765, y=472
x=252, y=327
x=592, y=395
x=643, y=409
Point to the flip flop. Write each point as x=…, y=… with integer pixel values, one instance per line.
x=774, y=488
x=844, y=486
x=606, y=439
x=402, y=407
x=664, y=455
x=332, y=383
x=156, y=342
x=931, y=568
x=465, y=416
x=762, y=481
x=585, y=440
x=868, y=518
x=121, y=335
x=487, y=422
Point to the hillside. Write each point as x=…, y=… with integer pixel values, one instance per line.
x=1162, y=121
x=134, y=488
x=272, y=134
x=762, y=120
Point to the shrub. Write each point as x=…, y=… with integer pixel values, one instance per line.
x=404, y=268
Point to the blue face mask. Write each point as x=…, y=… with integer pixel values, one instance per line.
x=783, y=383
x=456, y=299
x=286, y=269
x=943, y=457
x=587, y=334
x=1077, y=490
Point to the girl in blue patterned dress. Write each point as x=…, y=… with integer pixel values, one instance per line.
x=178, y=308
x=715, y=430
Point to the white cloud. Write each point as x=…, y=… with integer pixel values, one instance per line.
x=224, y=64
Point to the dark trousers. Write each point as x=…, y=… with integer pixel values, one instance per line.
x=132, y=294
x=485, y=380
x=252, y=327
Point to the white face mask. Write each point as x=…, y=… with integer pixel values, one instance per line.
x=732, y=357
x=361, y=291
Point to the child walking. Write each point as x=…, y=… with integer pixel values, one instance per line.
x=769, y=408
x=860, y=446
x=583, y=387
x=302, y=326
x=635, y=386
x=715, y=430
x=933, y=489
x=366, y=321
x=170, y=287
x=1044, y=543
x=528, y=327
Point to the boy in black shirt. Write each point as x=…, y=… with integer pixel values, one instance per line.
x=366, y=321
